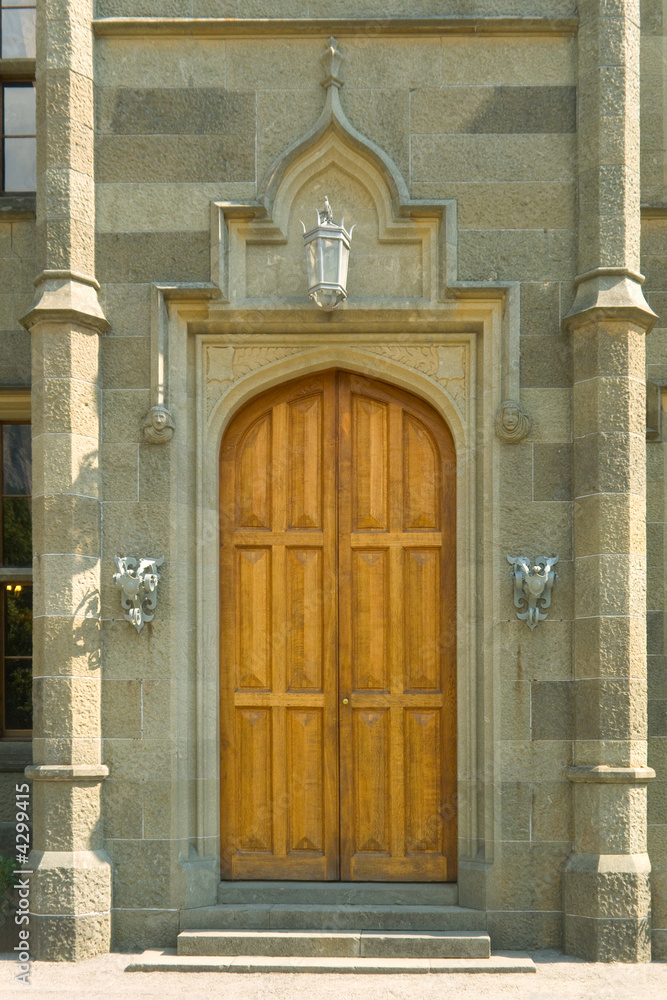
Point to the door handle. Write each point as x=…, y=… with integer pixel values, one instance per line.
x=346, y=701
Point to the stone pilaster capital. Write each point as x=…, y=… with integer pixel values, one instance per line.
x=67, y=772
x=602, y=773
x=609, y=293
x=66, y=296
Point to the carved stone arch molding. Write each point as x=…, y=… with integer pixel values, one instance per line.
x=216, y=345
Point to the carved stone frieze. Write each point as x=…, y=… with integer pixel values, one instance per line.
x=226, y=365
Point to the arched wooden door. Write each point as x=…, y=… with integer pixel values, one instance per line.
x=338, y=635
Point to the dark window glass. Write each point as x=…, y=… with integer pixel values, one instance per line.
x=16, y=535
x=17, y=30
x=17, y=643
x=19, y=145
x=16, y=460
x=15, y=597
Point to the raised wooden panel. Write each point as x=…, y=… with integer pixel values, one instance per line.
x=371, y=754
x=370, y=619
x=253, y=613
x=305, y=767
x=421, y=581
x=254, y=476
x=254, y=791
x=305, y=460
x=423, y=781
x=304, y=619
x=370, y=464
x=420, y=476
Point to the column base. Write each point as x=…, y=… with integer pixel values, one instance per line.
x=607, y=901
x=70, y=905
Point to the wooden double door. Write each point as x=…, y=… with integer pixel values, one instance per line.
x=338, y=635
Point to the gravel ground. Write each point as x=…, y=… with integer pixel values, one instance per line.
x=557, y=978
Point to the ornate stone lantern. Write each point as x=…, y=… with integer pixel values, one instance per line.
x=327, y=256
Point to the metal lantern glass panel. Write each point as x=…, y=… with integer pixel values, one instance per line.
x=327, y=256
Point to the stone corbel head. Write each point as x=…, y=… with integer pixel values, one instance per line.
x=512, y=422
x=158, y=425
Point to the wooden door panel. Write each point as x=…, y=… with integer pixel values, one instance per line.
x=370, y=476
x=421, y=576
x=254, y=786
x=370, y=619
x=279, y=774
x=305, y=461
x=253, y=617
x=305, y=640
x=397, y=644
x=371, y=753
x=305, y=741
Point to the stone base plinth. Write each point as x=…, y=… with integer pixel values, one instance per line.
x=70, y=905
x=607, y=907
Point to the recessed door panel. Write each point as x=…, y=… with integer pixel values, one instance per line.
x=338, y=638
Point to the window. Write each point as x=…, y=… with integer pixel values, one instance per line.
x=17, y=29
x=15, y=576
x=17, y=97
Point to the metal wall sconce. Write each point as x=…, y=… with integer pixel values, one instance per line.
x=138, y=580
x=533, y=580
x=327, y=257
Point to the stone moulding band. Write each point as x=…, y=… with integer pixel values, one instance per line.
x=610, y=775
x=232, y=27
x=67, y=772
x=51, y=275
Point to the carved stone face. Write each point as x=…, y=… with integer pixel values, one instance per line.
x=158, y=425
x=511, y=417
x=159, y=419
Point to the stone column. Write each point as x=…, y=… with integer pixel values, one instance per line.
x=606, y=881
x=70, y=897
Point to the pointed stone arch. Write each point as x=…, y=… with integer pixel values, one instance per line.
x=401, y=252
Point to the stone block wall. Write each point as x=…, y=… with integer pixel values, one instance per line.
x=654, y=246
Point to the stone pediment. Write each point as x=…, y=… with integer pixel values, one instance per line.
x=398, y=248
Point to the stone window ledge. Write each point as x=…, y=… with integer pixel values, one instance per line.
x=17, y=206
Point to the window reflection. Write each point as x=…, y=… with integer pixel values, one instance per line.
x=17, y=27
x=19, y=146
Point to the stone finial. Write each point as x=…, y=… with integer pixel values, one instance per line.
x=332, y=58
x=158, y=425
x=512, y=422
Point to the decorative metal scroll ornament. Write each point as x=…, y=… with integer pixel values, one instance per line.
x=327, y=257
x=138, y=580
x=533, y=581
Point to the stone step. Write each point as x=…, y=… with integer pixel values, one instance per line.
x=344, y=917
x=339, y=944
x=335, y=893
x=169, y=961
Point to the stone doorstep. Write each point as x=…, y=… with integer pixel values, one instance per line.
x=355, y=917
x=339, y=893
x=169, y=961
x=338, y=944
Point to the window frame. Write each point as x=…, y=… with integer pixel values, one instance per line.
x=19, y=71
x=15, y=408
x=4, y=86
